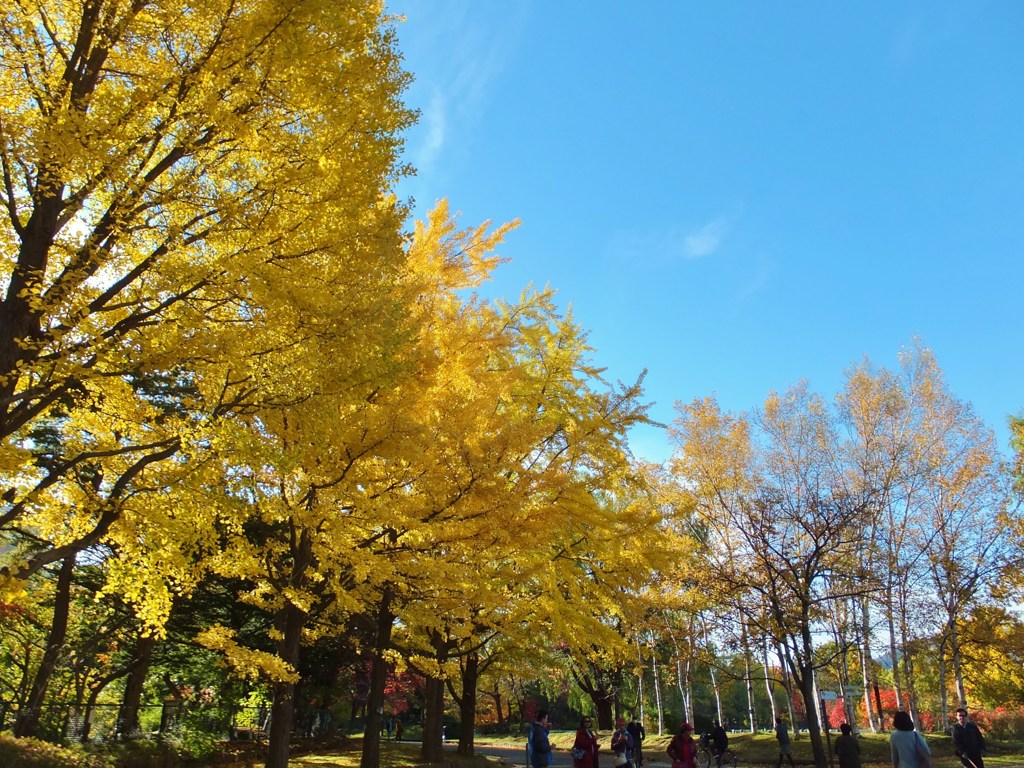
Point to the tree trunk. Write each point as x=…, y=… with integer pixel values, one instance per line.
x=844, y=678
x=90, y=706
x=943, y=694
x=499, y=710
x=129, y=717
x=290, y=621
x=865, y=664
x=804, y=675
x=655, y=673
x=768, y=680
x=605, y=720
x=379, y=669
x=717, y=691
x=467, y=704
x=748, y=679
x=910, y=697
x=787, y=679
x=433, y=720
x=897, y=682
x=28, y=718
x=957, y=656
x=681, y=685
x=639, y=711
x=714, y=678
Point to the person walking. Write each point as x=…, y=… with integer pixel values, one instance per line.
x=585, y=747
x=622, y=743
x=968, y=741
x=847, y=748
x=683, y=749
x=638, y=734
x=785, y=746
x=908, y=747
x=540, y=747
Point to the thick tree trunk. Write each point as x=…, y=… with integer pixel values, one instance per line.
x=467, y=704
x=128, y=724
x=433, y=720
x=290, y=621
x=28, y=719
x=804, y=675
x=379, y=669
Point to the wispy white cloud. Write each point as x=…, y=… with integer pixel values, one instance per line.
x=454, y=73
x=757, y=281
x=671, y=244
x=706, y=240
x=434, y=121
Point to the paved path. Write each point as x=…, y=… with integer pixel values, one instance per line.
x=560, y=757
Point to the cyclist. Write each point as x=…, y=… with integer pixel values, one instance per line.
x=719, y=742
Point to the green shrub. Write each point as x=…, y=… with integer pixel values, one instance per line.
x=32, y=753
x=193, y=743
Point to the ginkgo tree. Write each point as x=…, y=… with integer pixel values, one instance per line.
x=167, y=175
x=457, y=485
x=188, y=197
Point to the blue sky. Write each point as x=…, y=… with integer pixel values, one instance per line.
x=737, y=195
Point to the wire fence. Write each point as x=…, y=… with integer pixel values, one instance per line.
x=69, y=723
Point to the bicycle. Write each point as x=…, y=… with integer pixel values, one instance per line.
x=708, y=758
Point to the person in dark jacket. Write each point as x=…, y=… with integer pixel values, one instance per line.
x=637, y=731
x=719, y=742
x=540, y=747
x=847, y=748
x=782, y=736
x=968, y=741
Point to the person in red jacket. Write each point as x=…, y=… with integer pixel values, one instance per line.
x=683, y=749
x=584, y=749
